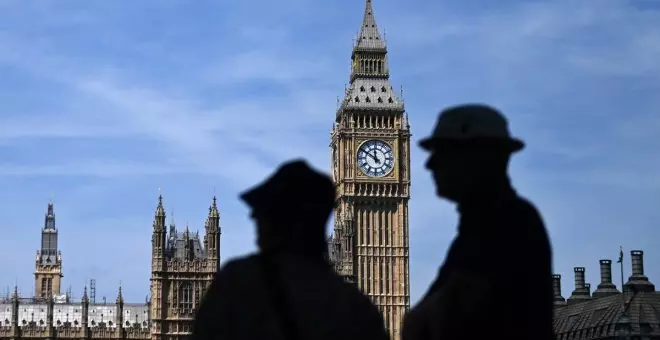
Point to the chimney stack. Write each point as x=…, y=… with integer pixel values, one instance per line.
x=637, y=259
x=556, y=287
x=638, y=282
x=579, y=278
x=581, y=292
x=606, y=287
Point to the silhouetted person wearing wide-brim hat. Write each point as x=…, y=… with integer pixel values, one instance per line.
x=288, y=290
x=497, y=273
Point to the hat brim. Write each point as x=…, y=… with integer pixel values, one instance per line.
x=512, y=145
x=251, y=196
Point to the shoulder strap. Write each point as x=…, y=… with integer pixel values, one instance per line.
x=278, y=299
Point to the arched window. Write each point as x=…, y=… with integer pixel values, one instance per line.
x=185, y=296
x=44, y=287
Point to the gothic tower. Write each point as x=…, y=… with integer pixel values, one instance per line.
x=370, y=146
x=182, y=268
x=48, y=269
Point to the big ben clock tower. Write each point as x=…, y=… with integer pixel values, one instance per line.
x=370, y=146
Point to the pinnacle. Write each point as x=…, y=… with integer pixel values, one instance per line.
x=213, y=209
x=160, y=210
x=369, y=37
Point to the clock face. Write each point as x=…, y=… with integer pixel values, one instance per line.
x=375, y=158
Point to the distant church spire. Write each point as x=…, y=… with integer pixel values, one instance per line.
x=49, y=237
x=48, y=270
x=50, y=216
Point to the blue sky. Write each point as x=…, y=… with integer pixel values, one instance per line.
x=104, y=102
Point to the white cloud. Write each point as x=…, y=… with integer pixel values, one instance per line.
x=96, y=168
x=55, y=128
x=275, y=65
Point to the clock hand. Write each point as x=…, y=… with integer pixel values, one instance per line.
x=375, y=157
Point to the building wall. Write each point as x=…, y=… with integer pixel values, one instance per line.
x=68, y=321
x=181, y=273
x=177, y=288
x=48, y=278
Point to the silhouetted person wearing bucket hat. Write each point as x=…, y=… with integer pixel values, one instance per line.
x=288, y=290
x=498, y=270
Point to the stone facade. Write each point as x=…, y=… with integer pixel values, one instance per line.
x=182, y=268
x=39, y=319
x=48, y=267
x=370, y=153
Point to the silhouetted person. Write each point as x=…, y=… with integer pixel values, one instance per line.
x=497, y=276
x=288, y=290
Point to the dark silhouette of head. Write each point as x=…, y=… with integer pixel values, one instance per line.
x=470, y=148
x=291, y=209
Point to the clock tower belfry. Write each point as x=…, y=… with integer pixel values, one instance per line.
x=370, y=154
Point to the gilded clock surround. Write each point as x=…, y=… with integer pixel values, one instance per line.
x=388, y=145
